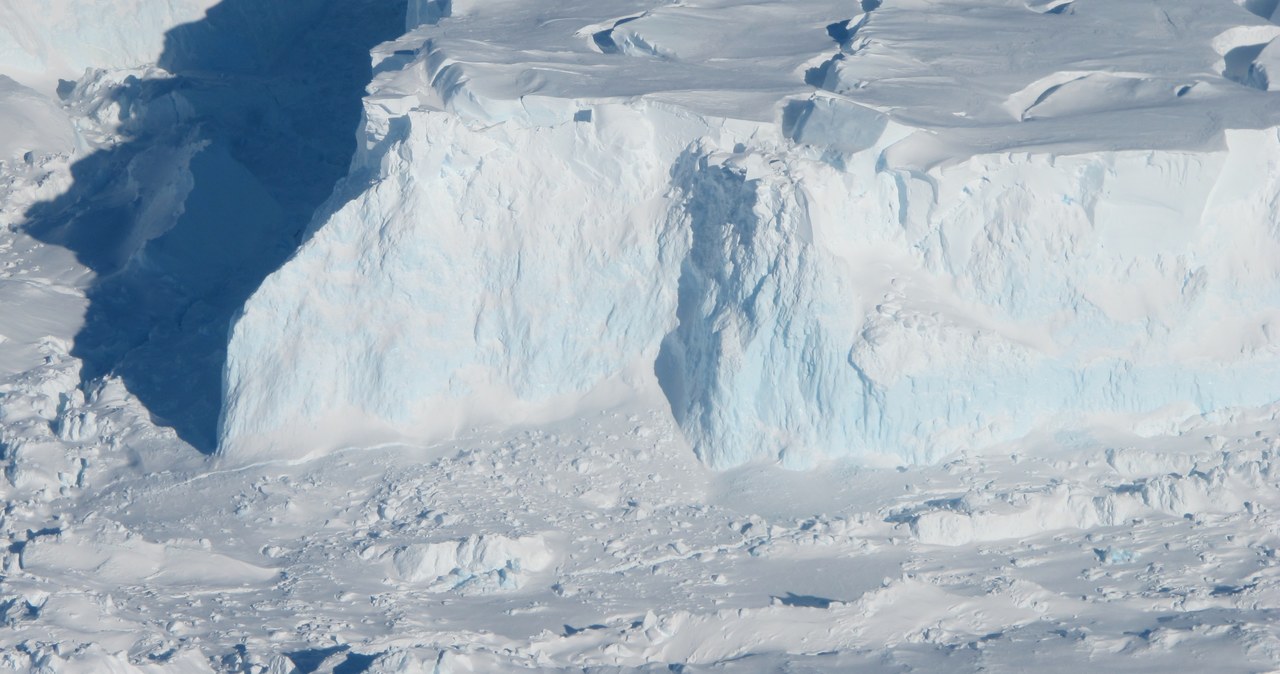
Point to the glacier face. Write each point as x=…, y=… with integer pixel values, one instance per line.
x=807, y=252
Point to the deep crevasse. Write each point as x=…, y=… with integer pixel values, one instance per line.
x=510, y=249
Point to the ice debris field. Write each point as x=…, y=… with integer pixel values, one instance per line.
x=382, y=336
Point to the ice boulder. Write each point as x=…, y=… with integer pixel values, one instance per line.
x=478, y=563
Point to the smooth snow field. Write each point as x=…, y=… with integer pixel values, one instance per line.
x=451, y=336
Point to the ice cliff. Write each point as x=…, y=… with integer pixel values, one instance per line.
x=917, y=228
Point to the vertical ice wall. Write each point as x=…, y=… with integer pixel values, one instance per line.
x=798, y=288
x=496, y=275
x=791, y=307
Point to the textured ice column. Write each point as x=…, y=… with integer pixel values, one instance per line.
x=756, y=368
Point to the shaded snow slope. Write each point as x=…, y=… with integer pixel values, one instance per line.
x=889, y=232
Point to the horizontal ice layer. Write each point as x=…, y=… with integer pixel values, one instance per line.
x=845, y=236
x=989, y=75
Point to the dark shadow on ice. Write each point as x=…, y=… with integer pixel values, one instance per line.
x=804, y=601
x=1263, y=8
x=262, y=108
x=570, y=630
x=312, y=660
x=1240, y=67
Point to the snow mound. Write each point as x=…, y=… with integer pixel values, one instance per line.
x=110, y=555
x=726, y=635
x=94, y=659
x=477, y=563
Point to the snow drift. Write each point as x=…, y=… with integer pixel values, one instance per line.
x=806, y=250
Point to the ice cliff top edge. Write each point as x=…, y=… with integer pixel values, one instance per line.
x=975, y=76
x=812, y=229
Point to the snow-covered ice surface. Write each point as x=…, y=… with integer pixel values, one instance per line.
x=530, y=390
x=58, y=39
